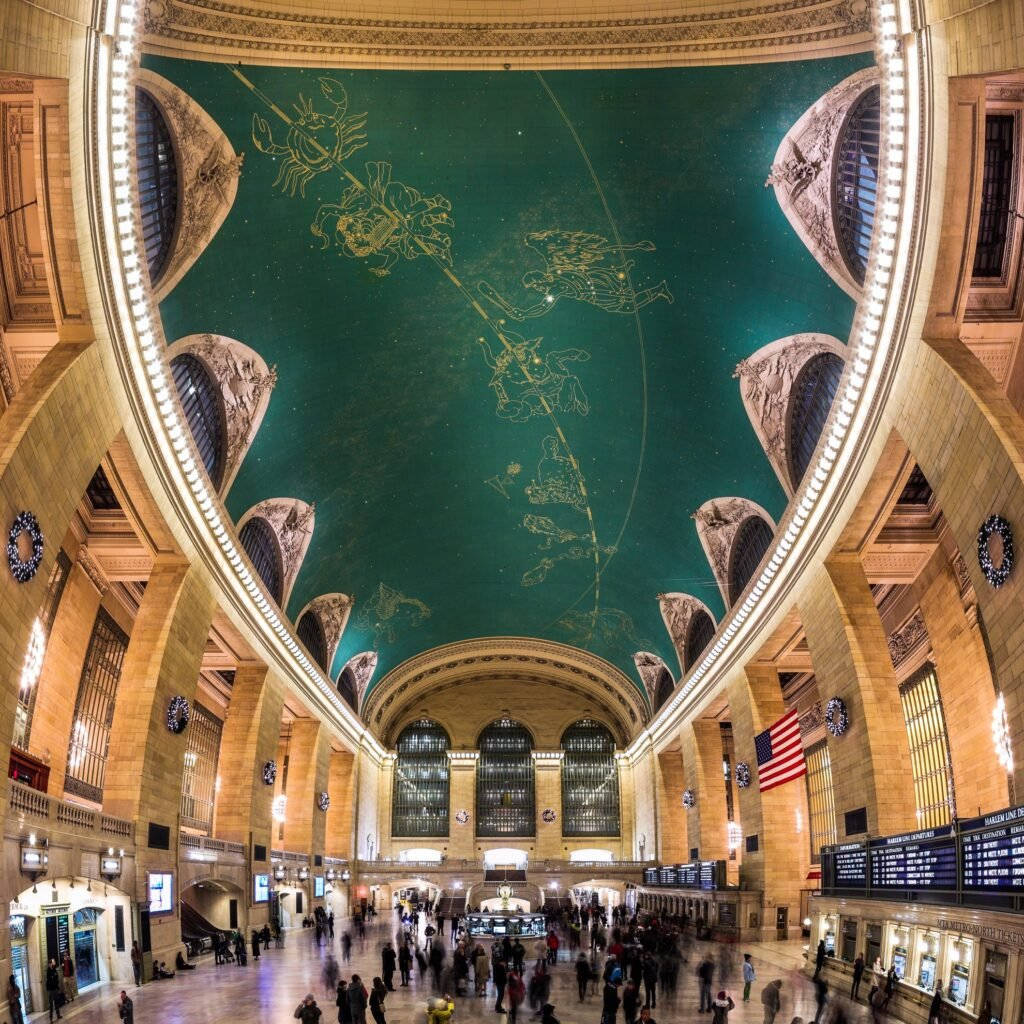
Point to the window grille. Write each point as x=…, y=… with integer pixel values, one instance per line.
x=311, y=633
x=855, y=182
x=94, y=709
x=590, y=781
x=996, y=195
x=27, y=693
x=199, y=777
x=157, y=181
x=419, y=805
x=929, y=748
x=748, y=548
x=821, y=805
x=203, y=407
x=812, y=396
x=258, y=539
x=699, y=635
x=504, y=781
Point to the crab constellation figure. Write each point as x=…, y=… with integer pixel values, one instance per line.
x=584, y=267
x=315, y=142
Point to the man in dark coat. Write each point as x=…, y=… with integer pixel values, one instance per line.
x=126, y=1009
x=404, y=964
x=858, y=973
x=53, y=990
x=387, y=965
x=500, y=976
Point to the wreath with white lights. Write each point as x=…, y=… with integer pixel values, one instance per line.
x=997, y=575
x=323, y=801
x=269, y=773
x=462, y=817
x=837, y=719
x=178, y=713
x=689, y=798
x=24, y=569
x=743, y=775
x=548, y=815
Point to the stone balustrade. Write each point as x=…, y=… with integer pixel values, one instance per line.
x=35, y=806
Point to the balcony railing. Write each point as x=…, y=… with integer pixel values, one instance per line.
x=193, y=842
x=391, y=865
x=42, y=807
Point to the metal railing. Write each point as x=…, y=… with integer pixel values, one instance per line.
x=194, y=842
x=33, y=804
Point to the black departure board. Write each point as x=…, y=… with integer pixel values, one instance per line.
x=709, y=874
x=850, y=866
x=915, y=860
x=688, y=875
x=700, y=874
x=667, y=876
x=993, y=851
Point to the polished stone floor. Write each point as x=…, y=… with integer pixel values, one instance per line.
x=269, y=991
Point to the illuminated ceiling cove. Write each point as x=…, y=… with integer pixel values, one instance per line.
x=507, y=412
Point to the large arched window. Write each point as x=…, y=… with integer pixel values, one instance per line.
x=419, y=802
x=813, y=391
x=260, y=543
x=504, y=781
x=347, y=688
x=590, y=781
x=204, y=410
x=157, y=181
x=311, y=633
x=698, y=636
x=666, y=684
x=748, y=548
x=855, y=181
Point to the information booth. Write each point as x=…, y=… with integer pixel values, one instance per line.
x=500, y=925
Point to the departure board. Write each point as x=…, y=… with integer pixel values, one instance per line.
x=916, y=860
x=993, y=851
x=688, y=875
x=850, y=866
x=709, y=874
x=667, y=876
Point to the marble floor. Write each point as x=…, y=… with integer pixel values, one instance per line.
x=269, y=990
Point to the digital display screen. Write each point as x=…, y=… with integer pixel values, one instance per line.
x=260, y=888
x=667, y=876
x=161, y=893
x=916, y=860
x=318, y=886
x=688, y=875
x=993, y=851
x=849, y=866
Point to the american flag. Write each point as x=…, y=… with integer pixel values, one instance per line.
x=780, y=753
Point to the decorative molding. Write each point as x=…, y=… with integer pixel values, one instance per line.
x=245, y=384
x=181, y=27
x=362, y=667
x=718, y=521
x=293, y=521
x=813, y=718
x=801, y=174
x=963, y=575
x=766, y=383
x=677, y=612
x=208, y=170
x=907, y=639
x=91, y=567
x=333, y=611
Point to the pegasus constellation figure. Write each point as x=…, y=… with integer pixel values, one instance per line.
x=580, y=266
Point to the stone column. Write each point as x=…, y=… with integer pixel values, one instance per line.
x=145, y=761
x=627, y=806
x=376, y=795
x=673, y=842
x=57, y=688
x=338, y=841
x=850, y=653
x=248, y=741
x=779, y=865
x=706, y=821
x=462, y=797
x=308, y=764
x=547, y=767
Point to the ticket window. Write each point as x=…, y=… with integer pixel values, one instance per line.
x=849, y=946
x=961, y=956
x=872, y=944
x=900, y=956
x=994, y=986
x=926, y=971
x=830, y=940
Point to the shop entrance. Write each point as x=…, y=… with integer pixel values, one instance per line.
x=995, y=984
x=19, y=961
x=84, y=955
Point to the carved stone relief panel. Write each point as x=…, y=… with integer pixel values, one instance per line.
x=292, y=521
x=718, y=522
x=677, y=612
x=801, y=174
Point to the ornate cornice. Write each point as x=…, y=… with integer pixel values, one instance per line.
x=225, y=29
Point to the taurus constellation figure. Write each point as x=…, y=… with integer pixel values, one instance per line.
x=557, y=482
x=386, y=219
x=315, y=142
x=527, y=384
x=580, y=266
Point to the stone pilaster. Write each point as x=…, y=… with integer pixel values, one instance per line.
x=462, y=792
x=850, y=653
x=673, y=842
x=308, y=766
x=547, y=767
x=338, y=839
x=706, y=821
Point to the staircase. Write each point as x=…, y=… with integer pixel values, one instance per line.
x=449, y=904
x=197, y=933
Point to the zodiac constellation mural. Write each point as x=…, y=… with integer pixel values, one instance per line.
x=580, y=266
x=388, y=611
x=610, y=626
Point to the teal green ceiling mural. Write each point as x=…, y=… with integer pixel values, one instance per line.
x=505, y=310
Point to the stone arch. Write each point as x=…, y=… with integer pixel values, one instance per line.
x=245, y=384
x=718, y=521
x=678, y=612
x=333, y=611
x=208, y=170
x=356, y=676
x=292, y=520
x=767, y=379
x=802, y=174
x=656, y=676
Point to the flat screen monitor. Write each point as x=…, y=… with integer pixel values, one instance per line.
x=260, y=888
x=161, y=893
x=318, y=887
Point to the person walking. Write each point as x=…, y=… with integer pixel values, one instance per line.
x=307, y=1011
x=387, y=966
x=582, y=974
x=14, y=1001
x=820, y=998
x=126, y=1009
x=137, y=963
x=68, y=980
x=54, y=995
x=890, y=986
x=649, y=968
x=770, y=1000
x=858, y=973
x=254, y=941
x=720, y=1008
x=377, y=997
x=357, y=1000
x=341, y=1001
x=610, y=1002
x=935, y=1010
x=516, y=993
x=705, y=973
x=346, y=947
x=630, y=1002
x=481, y=970
x=518, y=957
x=749, y=977
x=405, y=964
x=819, y=958
x=500, y=982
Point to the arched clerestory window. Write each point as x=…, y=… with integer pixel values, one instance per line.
x=504, y=781
x=203, y=406
x=311, y=633
x=666, y=684
x=347, y=688
x=698, y=636
x=590, y=781
x=810, y=401
x=420, y=795
x=855, y=181
x=157, y=180
x=748, y=548
x=258, y=539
